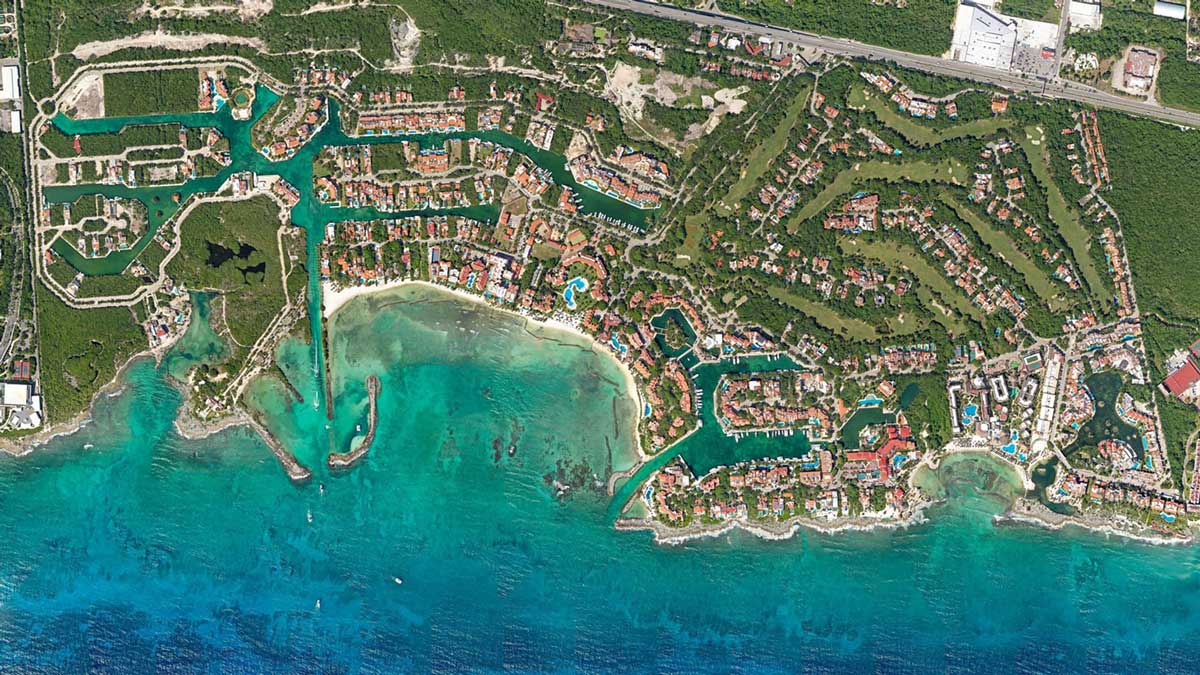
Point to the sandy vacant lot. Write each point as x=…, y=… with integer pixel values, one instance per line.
x=148, y=39
x=247, y=10
x=85, y=98
x=626, y=88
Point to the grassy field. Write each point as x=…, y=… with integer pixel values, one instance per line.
x=918, y=134
x=82, y=350
x=952, y=322
x=1002, y=245
x=695, y=226
x=896, y=254
x=947, y=171
x=1065, y=218
x=905, y=323
x=847, y=327
x=762, y=157
x=150, y=92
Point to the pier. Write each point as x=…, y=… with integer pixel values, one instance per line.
x=287, y=384
x=345, y=460
x=327, y=375
x=295, y=470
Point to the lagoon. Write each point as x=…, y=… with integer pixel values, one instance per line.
x=152, y=552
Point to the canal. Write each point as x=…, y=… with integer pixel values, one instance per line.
x=163, y=202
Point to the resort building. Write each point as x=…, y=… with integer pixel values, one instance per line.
x=1141, y=65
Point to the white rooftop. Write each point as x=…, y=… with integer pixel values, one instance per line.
x=1085, y=14
x=1171, y=10
x=16, y=393
x=10, y=83
x=983, y=37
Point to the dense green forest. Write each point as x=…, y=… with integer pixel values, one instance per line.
x=1155, y=180
x=153, y=91
x=83, y=351
x=922, y=26
x=230, y=248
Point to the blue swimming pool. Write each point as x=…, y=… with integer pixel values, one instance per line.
x=576, y=285
x=616, y=344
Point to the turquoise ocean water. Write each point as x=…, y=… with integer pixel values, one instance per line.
x=148, y=552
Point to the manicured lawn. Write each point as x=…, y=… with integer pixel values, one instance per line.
x=917, y=134
x=947, y=171
x=763, y=156
x=694, y=227
x=1065, y=218
x=896, y=254
x=855, y=329
x=1006, y=248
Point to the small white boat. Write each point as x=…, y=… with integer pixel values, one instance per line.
x=398, y=580
x=318, y=603
x=310, y=516
x=88, y=446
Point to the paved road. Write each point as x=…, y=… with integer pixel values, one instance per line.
x=1048, y=87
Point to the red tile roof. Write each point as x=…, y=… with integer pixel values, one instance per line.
x=1183, y=378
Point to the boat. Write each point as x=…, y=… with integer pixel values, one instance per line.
x=318, y=603
x=88, y=446
x=398, y=580
x=310, y=516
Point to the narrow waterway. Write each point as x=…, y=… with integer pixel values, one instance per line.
x=309, y=213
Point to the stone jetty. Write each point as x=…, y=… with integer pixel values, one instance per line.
x=345, y=460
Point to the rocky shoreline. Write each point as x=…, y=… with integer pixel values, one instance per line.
x=664, y=534
x=1024, y=511
x=23, y=445
x=186, y=424
x=1027, y=511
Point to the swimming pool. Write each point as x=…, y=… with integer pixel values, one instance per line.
x=616, y=344
x=576, y=285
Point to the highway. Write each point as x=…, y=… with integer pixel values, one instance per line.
x=1040, y=86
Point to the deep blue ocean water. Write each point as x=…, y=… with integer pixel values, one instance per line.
x=149, y=553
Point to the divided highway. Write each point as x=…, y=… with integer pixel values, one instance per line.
x=1041, y=86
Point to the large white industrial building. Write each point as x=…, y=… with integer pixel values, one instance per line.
x=983, y=37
